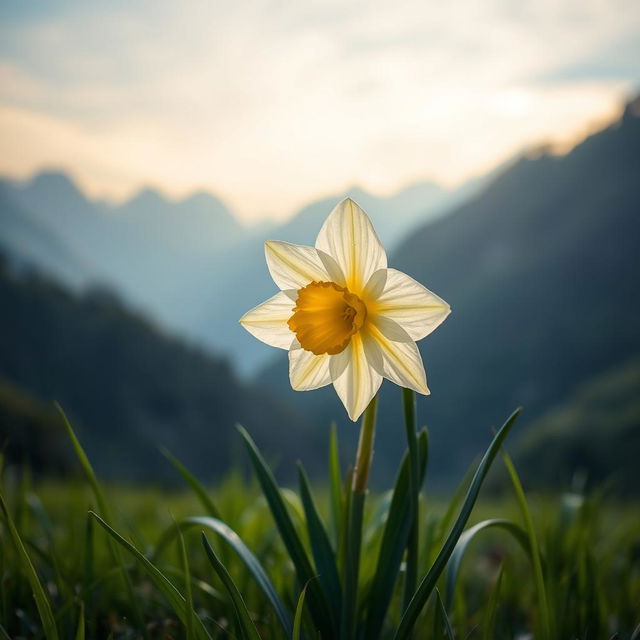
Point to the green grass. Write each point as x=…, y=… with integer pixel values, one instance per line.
x=591, y=551
x=248, y=559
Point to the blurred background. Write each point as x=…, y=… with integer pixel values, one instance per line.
x=147, y=150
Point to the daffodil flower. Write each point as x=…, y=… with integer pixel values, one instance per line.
x=344, y=317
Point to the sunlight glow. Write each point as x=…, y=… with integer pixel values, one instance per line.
x=270, y=105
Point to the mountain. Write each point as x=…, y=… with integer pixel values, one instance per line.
x=30, y=244
x=55, y=199
x=127, y=388
x=200, y=222
x=541, y=271
x=55, y=202
x=596, y=432
x=189, y=263
x=30, y=433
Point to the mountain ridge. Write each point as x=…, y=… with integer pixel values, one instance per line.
x=177, y=259
x=541, y=272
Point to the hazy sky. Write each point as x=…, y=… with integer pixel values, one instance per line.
x=270, y=104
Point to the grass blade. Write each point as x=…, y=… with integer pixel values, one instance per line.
x=455, y=504
x=104, y=510
x=344, y=517
x=80, y=630
x=441, y=612
x=249, y=559
x=42, y=602
x=193, y=483
x=162, y=583
x=348, y=621
x=88, y=562
x=200, y=585
x=184, y=561
x=85, y=464
x=318, y=604
x=394, y=540
x=453, y=568
x=429, y=581
x=297, y=621
x=489, y=623
x=323, y=554
x=248, y=629
x=37, y=508
x=545, y=613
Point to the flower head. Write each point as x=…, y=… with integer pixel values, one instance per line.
x=344, y=317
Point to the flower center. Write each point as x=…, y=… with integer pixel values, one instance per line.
x=326, y=316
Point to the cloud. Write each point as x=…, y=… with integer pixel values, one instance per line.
x=272, y=103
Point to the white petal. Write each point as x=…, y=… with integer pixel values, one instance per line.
x=339, y=363
x=375, y=285
x=416, y=309
x=348, y=236
x=373, y=351
x=268, y=321
x=308, y=371
x=402, y=360
x=334, y=271
x=293, y=266
x=390, y=329
x=359, y=381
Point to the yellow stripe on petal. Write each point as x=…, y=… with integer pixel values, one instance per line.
x=416, y=309
x=358, y=381
x=349, y=238
x=293, y=266
x=402, y=361
x=308, y=371
x=268, y=321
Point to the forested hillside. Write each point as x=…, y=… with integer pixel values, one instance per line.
x=595, y=434
x=127, y=387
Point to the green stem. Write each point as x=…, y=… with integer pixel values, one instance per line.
x=354, y=520
x=411, y=576
x=365, y=448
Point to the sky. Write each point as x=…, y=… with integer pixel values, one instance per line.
x=270, y=104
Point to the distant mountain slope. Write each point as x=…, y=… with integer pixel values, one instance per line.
x=190, y=263
x=30, y=244
x=542, y=272
x=127, y=387
x=595, y=432
x=30, y=433
x=200, y=222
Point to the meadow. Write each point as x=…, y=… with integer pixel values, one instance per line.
x=248, y=249
x=83, y=560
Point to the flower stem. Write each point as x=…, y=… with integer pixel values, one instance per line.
x=354, y=521
x=365, y=448
x=409, y=405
